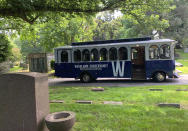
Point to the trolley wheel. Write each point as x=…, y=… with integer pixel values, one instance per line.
x=85, y=78
x=159, y=77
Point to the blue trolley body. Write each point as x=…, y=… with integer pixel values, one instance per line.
x=138, y=58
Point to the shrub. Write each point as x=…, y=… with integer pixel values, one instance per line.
x=52, y=64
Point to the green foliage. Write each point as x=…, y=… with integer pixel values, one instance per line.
x=5, y=48
x=63, y=32
x=148, y=18
x=107, y=26
x=16, y=54
x=143, y=26
x=58, y=23
x=52, y=64
x=58, y=32
x=126, y=27
x=185, y=41
x=28, y=47
x=38, y=10
x=178, y=19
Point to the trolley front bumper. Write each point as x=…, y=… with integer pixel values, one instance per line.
x=175, y=75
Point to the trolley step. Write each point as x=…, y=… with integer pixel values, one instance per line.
x=139, y=76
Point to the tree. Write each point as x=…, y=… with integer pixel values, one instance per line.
x=133, y=28
x=5, y=48
x=178, y=19
x=5, y=53
x=107, y=26
x=58, y=32
x=27, y=47
x=33, y=10
x=16, y=54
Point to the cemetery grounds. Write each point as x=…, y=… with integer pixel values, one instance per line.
x=183, y=59
x=138, y=112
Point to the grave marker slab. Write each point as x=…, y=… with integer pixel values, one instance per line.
x=156, y=89
x=182, y=90
x=84, y=102
x=56, y=101
x=113, y=102
x=175, y=105
x=97, y=89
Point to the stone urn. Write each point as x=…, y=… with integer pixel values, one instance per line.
x=60, y=121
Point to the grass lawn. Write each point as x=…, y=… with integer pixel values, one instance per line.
x=16, y=69
x=138, y=112
x=183, y=60
x=182, y=54
x=184, y=69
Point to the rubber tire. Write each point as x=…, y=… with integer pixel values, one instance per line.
x=86, y=78
x=159, y=77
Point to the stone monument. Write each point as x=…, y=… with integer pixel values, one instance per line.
x=38, y=62
x=24, y=101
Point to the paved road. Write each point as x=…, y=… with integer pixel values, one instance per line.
x=183, y=80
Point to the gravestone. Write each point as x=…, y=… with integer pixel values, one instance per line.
x=84, y=102
x=175, y=105
x=113, y=102
x=155, y=89
x=57, y=101
x=182, y=90
x=24, y=101
x=38, y=62
x=97, y=89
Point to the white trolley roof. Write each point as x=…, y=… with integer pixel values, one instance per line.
x=119, y=43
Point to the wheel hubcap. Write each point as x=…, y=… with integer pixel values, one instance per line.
x=86, y=78
x=160, y=77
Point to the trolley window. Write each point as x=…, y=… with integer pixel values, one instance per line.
x=113, y=53
x=64, y=56
x=165, y=52
x=103, y=54
x=123, y=54
x=94, y=55
x=86, y=55
x=154, y=52
x=77, y=55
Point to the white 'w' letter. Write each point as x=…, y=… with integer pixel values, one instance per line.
x=118, y=68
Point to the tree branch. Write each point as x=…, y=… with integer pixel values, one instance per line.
x=21, y=12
